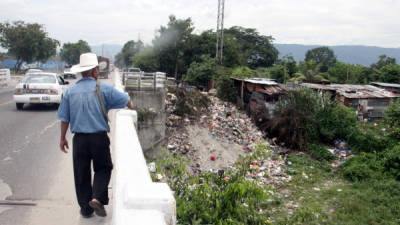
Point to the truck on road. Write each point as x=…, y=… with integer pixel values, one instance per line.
x=104, y=67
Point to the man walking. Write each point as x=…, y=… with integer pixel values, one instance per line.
x=84, y=109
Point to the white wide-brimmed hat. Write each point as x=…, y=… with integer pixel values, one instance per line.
x=87, y=61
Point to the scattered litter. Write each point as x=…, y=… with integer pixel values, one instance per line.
x=8, y=158
x=342, y=151
x=316, y=189
x=152, y=167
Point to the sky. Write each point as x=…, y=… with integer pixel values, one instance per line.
x=322, y=22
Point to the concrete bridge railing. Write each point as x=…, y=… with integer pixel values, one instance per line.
x=136, y=199
x=4, y=77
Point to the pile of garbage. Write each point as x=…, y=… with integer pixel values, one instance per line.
x=226, y=123
x=342, y=151
x=269, y=171
x=179, y=143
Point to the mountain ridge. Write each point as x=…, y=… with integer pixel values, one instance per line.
x=352, y=54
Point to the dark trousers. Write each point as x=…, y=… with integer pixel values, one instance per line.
x=87, y=148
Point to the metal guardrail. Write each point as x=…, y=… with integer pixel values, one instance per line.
x=4, y=77
x=136, y=199
x=143, y=81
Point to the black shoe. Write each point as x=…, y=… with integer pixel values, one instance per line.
x=86, y=215
x=98, y=208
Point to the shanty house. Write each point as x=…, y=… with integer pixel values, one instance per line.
x=258, y=94
x=387, y=86
x=368, y=100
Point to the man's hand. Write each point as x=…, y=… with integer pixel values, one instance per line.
x=130, y=105
x=63, y=140
x=64, y=145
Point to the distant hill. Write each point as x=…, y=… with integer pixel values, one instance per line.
x=353, y=54
x=107, y=50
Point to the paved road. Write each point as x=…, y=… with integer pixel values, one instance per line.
x=32, y=168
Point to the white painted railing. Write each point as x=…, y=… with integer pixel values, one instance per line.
x=136, y=199
x=4, y=77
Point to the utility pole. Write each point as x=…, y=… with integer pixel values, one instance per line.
x=220, y=32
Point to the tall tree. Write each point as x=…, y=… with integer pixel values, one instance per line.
x=257, y=50
x=27, y=42
x=390, y=74
x=199, y=73
x=146, y=60
x=70, y=52
x=289, y=63
x=383, y=61
x=321, y=55
x=131, y=48
x=170, y=43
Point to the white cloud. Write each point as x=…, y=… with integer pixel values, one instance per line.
x=334, y=22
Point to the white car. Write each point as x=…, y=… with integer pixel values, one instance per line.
x=33, y=71
x=40, y=88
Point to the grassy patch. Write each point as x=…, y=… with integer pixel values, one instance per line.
x=318, y=195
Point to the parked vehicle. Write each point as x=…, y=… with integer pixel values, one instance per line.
x=40, y=88
x=33, y=71
x=134, y=70
x=104, y=67
x=69, y=75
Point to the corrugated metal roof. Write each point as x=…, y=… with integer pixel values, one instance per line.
x=318, y=86
x=265, y=81
x=386, y=84
x=271, y=90
x=354, y=90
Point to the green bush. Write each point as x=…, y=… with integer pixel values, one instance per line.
x=213, y=198
x=335, y=121
x=363, y=167
x=225, y=88
x=391, y=162
x=199, y=73
x=392, y=114
x=243, y=72
x=321, y=153
x=367, y=142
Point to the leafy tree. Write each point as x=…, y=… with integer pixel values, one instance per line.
x=279, y=73
x=170, y=43
x=321, y=55
x=390, y=73
x=308, y=70
x=392, y=114
x=257, y=50
x=243, y=72
x=225, y=87
x=342, y=72
x=204, y=44
x=383, y=61
x=289, y=63
x=130, y=49
x=118, y=60
x=146, y=60
x=70, y=52
x=27, y=42
x=200, y=73
x=199, y=45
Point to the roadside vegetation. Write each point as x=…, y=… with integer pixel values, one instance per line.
x=364, y=188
